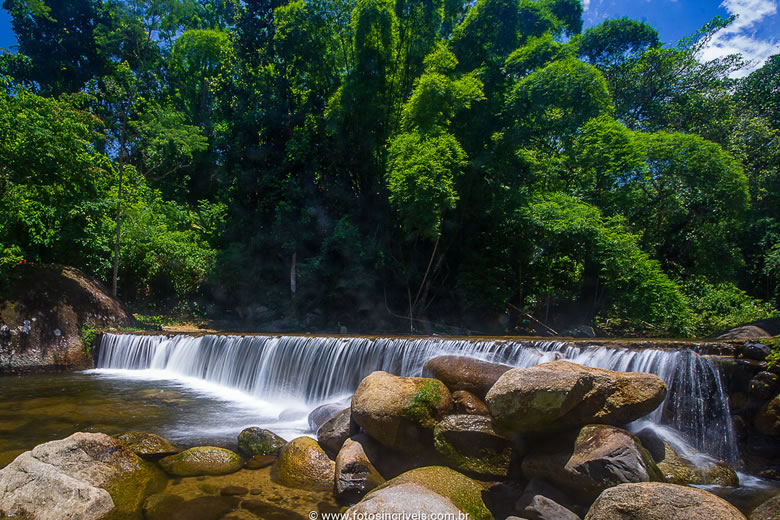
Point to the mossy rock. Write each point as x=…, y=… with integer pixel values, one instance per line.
x=679, y=470
x=462, y=491
x=258, y=441
x=303, y=464
x=147, y=445
x=471, y=444
x=131, y=489
x=203, y=460
x=400, y=412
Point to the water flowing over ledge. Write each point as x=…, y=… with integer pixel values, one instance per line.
x=319, y=369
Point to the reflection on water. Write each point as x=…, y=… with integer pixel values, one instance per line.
x=40, y=408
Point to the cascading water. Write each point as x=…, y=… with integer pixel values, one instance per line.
x=320, y=369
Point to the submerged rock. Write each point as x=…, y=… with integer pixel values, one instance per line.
x=258, y=441
x=600, y=457
x=173, y=507
x=83, y=477
x=469, y=443
x=433, y=490
x=657, y=501
x=356, y=474
x=400, y=412
x=147, y=445
x=465, y=373
x=558, y=395
x=202, y=460
x=302, y=463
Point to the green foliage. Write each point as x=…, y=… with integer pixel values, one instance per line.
x=165, y=250
x=720, y=306
x=53, y=182
x=421, y=177
x=773, y=359
x=598, y=254
x=88, y=333
x=458, y=162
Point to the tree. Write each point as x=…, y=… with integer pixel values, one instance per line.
x=53, y=183
x=60, y=40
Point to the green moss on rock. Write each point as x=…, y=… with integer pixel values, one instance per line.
x=203, y=460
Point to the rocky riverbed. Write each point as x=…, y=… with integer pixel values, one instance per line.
x=473, y=438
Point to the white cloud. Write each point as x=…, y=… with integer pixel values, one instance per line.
x=740, y=36
x=585, y=5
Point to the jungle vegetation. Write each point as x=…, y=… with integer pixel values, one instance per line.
x=427, y=165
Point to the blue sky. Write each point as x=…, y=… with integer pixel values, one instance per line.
x=755, y=34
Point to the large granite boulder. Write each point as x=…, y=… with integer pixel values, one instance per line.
x=470, y=443
x=258, y=441
x=465, y=373
x=600, y=457
x=356, y=474
x=147, y=445
x=202, y=460
x=400, y=412
x=560, y=395
x=433, y=490
x=42, y=312
x=303, y=464
x=87, y=476
x=657, y=501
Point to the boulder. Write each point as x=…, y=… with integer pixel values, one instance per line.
x=465, y=373
x=764, y=385
x=322, y=413
x=83, y=477
x=406, y=500
x=757, y=351
x=202, y=460
x=147, y=445
x=679, y=469
x=400, y=412
x=769, y=510
x=469, y=443
x=356, y=474
x=559, y=395
x=258, y=441
x=433, y=490
x=542, y=508
x=600, y=457
x=336, y=430
x=657, y=501
x=767, y=420
x=42, y=311
x=303, y=464
x=467, y=403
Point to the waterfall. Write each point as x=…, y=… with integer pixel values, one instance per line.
x=320, y=369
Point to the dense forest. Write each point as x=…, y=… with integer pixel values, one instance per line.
x=426, y=165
